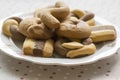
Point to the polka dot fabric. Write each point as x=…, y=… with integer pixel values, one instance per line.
x=106, y=69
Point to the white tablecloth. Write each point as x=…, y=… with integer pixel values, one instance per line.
x=107, y=69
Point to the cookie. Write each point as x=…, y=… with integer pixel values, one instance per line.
x=78, y=30
x=74, y=49
x=59, y=49
x=43, y=48
x=85, y=50
x=103, y=33
x=10, y=28
x=34, y=28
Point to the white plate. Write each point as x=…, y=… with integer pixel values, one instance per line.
x=104, y=49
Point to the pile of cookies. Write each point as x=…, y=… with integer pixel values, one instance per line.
x=58, y=30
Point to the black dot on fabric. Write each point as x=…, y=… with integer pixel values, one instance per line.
x=51, y=77
x=45, y=69
x=81, y=72
x=72, y=68
x=79, y=76
x=54, y=73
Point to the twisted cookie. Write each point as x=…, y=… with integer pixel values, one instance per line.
x=10, y=28
x=50, y=16
x=34, y=28
x=86, y=16
x=74, y=29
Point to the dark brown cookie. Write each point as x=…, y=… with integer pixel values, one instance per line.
x=59, y=49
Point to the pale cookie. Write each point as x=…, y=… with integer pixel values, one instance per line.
x=48, y=48
x=91, y=22
x=78, y=13
x=86, y=50
x=103, y=35
x=72, y=45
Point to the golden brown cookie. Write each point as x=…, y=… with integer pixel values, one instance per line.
x=78, y=30
x=50, y=16
x=34, y=28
